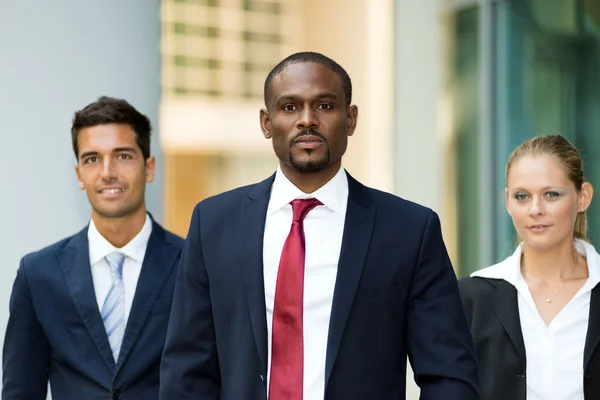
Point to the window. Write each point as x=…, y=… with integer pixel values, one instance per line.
x=464, y=78
x=546, y=59
x=223, y=48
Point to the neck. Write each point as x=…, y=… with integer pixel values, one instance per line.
x=553, y=265
x=309, y=182
x=119, y=231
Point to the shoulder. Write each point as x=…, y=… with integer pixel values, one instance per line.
x=475, y=286
x=474, y=290
x=393, y=209
x=395, y=203
x=489, y=278
x=40, y=258
x=169, y=237
x=173, y=238
x=400, y=218
x=226, y=200
x=405, y=219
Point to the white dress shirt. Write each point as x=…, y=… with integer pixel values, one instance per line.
x=554, y=352
x=323, y=231
x=134, y=251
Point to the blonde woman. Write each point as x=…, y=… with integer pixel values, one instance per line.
x=535, y=317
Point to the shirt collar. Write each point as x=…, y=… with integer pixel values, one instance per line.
x=334, y=194
x=99, y=247
x=510, y=269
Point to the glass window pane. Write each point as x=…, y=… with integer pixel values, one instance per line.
x=465, y=92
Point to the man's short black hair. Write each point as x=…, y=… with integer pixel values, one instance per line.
x=311, y=57
x=109, y=110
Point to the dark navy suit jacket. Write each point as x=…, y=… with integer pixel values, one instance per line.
x=55, y=331
x=395, y=295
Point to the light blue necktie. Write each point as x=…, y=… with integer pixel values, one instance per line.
x=113, y=310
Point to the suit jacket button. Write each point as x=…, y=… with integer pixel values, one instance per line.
x=117, y=396
x=589, y=379
x=520, y=376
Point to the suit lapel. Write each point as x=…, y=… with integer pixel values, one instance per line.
x=158, y=263
x=358, y=227
x=253, y=223
x=593, y=334
x=504, y=303
x=75, y=263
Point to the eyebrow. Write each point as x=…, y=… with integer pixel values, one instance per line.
x=292, y=97
x=115, y=150
x=543, y=189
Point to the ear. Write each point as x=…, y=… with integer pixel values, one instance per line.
x=79, y=179
x=585, y=196
x=352, y=119
x=265, y=123
x=150, y=169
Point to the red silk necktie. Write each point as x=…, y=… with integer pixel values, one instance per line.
x=287, y=353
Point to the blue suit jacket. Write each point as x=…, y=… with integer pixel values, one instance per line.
x=55, y=331
x=395, y=295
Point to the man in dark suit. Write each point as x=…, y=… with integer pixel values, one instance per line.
x=310, y=285
x=89, y=314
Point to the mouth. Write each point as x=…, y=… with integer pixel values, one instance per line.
x=111, y=192
x=538, y=227
x=308, y=142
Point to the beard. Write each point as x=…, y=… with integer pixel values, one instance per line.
x=311, y=165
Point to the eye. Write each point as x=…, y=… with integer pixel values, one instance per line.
x=520, y=196
x=289, y=108
x=325, y=106
x=91, y=160
x=552, y=194
x=124, y=156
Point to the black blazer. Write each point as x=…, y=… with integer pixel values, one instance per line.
x=55, y=331
x=492, y=310
x=395, y=294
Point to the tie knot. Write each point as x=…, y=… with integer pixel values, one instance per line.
x=115, y=262
x=302, y=207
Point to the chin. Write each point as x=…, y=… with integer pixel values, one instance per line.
x=114, y=212
x=309, y=161
x=542, y=243
x=111, y=213
x=310, y=165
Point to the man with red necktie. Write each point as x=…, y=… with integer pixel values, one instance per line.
x=309, y=285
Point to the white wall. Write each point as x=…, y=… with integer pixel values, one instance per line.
x=56, y=57
x=418, y=75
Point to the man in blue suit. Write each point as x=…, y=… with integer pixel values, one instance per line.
x=309, y=285
x=89, y=314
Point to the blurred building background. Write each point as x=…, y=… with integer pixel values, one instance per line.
x=445, y=88
x=516, y=69
x=216, y=56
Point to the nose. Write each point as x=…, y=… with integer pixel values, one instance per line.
x=109, y=170
x=308, y=119
x=537, y=207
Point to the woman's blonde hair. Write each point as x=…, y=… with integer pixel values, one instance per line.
x=569, y=157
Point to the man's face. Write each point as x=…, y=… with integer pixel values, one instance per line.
x=307, y=117
x=112, y=170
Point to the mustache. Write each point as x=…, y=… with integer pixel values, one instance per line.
x=309, y=132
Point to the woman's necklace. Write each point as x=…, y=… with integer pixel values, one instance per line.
x=549, y=299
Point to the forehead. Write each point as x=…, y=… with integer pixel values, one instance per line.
x=106, y=137
x=306, y=79
x=537, y=171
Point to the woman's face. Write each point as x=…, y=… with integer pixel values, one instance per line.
x=542, y=201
